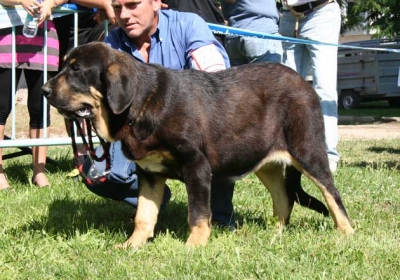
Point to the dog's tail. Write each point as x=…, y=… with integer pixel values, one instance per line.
x=296, y=192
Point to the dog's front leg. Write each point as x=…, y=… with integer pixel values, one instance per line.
x=198, y=186
x=151, y=195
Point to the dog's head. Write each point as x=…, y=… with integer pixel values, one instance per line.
x=96, y=83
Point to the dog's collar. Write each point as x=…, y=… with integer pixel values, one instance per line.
x=143, y=109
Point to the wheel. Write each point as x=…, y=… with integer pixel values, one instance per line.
x=349, y=99
x=394, y=102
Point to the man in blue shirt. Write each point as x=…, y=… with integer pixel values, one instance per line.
x=176, y=40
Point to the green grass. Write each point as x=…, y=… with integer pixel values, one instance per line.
x=66, y=232
x=372, y=109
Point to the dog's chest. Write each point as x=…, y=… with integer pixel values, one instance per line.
x=159, y=162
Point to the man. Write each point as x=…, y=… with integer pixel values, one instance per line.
x=253, y=15
x=175, y=40
x=320, y=21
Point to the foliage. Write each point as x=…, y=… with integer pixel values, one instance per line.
x=381, y=15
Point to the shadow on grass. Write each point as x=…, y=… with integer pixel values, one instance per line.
x=393, y=165
x=379, y=150
x=67, y=218
x=313, y=221
x=21, y=170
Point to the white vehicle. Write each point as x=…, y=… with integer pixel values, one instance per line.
x=369, y=75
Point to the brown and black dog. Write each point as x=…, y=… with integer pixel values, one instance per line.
x=198, y=127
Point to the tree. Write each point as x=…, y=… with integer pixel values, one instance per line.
x=383, y=16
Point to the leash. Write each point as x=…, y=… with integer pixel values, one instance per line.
x=93, y=172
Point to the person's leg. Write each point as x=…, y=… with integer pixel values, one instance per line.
x=221, y=204
x=324, y=25
x=232, y=47
x=5, y=109
x=121, y=182
x=261, y=50
x=295, y=56
x=34, y=81
x=3, y=180
x=39, y=154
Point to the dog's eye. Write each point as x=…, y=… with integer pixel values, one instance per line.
x=75, y=67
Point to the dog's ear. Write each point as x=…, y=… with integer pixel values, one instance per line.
x=120, y=88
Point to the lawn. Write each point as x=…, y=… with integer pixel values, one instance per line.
x=372, y=109
x=66, y=232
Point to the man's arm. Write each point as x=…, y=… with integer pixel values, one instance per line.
x=207, y=58
x=205, y=52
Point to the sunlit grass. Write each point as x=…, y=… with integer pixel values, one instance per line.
x=66, y=232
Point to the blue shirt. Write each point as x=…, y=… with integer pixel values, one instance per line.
x=177, y=34
x=253, y=15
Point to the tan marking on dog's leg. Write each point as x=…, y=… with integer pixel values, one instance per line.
x=272, y=176
x=199, y=234
x=149, y=203
x=341, y=220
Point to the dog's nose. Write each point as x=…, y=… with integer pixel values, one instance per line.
x=46, y=90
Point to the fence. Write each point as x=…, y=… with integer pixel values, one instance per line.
x=11, y=17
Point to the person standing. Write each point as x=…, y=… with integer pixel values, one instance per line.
x=206, y=9
x=318, y=20
x=252, y=15
x=29, y=58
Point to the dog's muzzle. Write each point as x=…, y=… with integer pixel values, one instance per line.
x=46, y=90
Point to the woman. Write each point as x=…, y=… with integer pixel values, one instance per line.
x=29, y=57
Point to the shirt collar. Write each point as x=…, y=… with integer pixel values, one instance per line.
x=157, y=36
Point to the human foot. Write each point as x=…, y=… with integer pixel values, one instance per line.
x=3, y=182
x=40, y=180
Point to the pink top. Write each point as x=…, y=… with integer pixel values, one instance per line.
x=29, y=51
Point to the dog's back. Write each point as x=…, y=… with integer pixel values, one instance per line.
x=262, y=108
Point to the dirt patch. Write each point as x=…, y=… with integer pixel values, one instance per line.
x=377, y=129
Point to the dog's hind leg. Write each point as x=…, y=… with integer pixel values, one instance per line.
x=272, y=176
x=319, y=173
x=297, y=194
x=335, y=204
x=151, y=193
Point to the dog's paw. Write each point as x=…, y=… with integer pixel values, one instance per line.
x=129, y=245
x=196, y=242
x=348, y=230
x=136, y=240
x=195, y=239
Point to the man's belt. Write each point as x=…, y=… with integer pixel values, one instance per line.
x=309, y=7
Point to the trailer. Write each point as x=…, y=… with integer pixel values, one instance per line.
x=369, y=75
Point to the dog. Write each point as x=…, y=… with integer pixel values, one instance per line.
x=197, y=127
